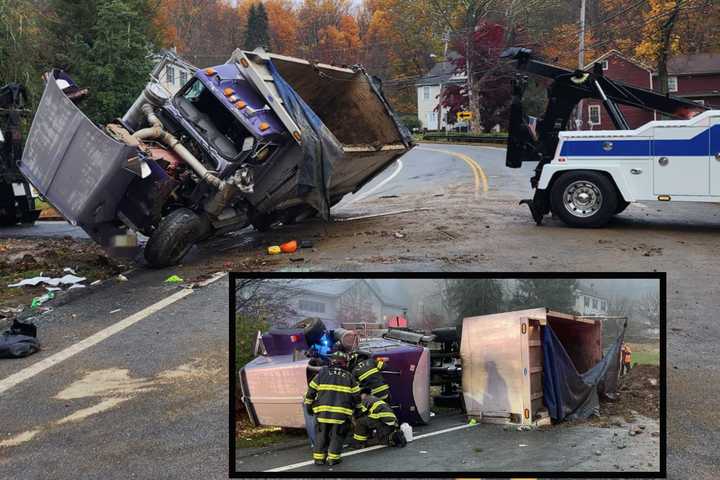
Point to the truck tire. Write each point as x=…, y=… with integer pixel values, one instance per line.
x=584, y=198
x=174, y=237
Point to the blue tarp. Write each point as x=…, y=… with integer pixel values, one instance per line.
x=320, y=147
x=571, y=395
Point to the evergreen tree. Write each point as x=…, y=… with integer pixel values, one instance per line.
x=115, y=63
x=257, y=30
x=472, y=297
x=553, y=293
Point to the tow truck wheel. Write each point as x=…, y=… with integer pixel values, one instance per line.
x=174, y=237
x=584, y=199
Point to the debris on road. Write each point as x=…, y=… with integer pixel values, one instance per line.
x=122, y=278
x=274, y=250
x=306, y=244
x=289, y=247
x=384, y=214
x=37, y=301
x=399, y=235
x=174, y=279
x=34, y=281
x=20, y=340
x=115, y=311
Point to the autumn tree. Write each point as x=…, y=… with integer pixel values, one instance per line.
x=283, y=26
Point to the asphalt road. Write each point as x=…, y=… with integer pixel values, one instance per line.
x=449, y=444
x=451, y=222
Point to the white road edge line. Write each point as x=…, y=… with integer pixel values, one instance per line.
x=38, y=367
x=369, y=449
x=370, y=192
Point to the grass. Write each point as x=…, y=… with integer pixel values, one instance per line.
x=248, y=436
x=646, y=358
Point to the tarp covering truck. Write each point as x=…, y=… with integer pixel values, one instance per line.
x=586, y=177
x=260, y=139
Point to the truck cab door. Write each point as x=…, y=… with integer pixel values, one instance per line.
x=715, y=156
x=681, y=160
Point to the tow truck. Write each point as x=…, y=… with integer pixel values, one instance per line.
x=586, y=177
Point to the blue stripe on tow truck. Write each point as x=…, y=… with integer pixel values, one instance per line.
x=700, y=145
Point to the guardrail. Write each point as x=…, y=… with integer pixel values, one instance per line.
x=462, y=137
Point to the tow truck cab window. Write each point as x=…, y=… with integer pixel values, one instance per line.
x=594, y=114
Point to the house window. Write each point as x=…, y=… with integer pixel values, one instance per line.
x=594, y=302
x=604, y=305
x=183, y=77
x=604, y=64
x=587, y=301
x=311, y=306
x=594, y=114
x=426, y=93
x=170, y=75
x=672, y=84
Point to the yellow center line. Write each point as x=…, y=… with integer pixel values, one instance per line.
x=476, y=169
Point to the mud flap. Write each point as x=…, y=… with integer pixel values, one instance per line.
x=539, y=205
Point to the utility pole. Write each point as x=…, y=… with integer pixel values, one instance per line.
x=581, y=58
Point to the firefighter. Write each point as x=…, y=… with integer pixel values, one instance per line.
x=368, y=373
x=377, y=416
x=332, y=397
x=626, y=358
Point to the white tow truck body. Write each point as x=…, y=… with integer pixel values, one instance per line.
x=664, y=160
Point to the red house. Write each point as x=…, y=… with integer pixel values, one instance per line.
x=695, y=77
x=617, y=66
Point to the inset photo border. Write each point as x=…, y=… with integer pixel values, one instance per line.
x=447, y=375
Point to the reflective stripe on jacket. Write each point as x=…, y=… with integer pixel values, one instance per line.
x=378, y=410
x=333, y=395
x=369, y=374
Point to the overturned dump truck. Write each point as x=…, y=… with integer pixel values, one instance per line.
x=259, y=140
x=530, y=366
x=272, y=385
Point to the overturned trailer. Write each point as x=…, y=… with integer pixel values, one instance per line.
x=529, y=366
x=261, y=139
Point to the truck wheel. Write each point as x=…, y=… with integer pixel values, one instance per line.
x=174, y=237
x=8, y=210
x=584, y=198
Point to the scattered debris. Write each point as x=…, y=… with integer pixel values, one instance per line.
x=523, y=445
x=306, y=244
x=174, y=279
x=297, y=259
x=96, y=282
x=122, y=278
x=385, y=214
x=472, y=422
x=289, y=247
x=34, y=281
x=37, y=301
x=20, y=340
x=115, y=311
x=389, y=196
x=399, y=235
x=274, y=250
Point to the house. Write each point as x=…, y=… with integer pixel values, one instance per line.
x=587, y=303
x=617, y=66
x=695, y=77
x=343, y=300
x=429, y=89
x=171, y=71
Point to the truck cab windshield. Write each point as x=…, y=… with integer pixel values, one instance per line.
x=212, y=120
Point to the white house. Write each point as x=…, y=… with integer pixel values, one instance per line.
x=341, y=300
x=429, y=89
x=171, y=71
x=587, y=303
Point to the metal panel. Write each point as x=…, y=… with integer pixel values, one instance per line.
x=491, y=349
x=73, y=163
x=276, y=387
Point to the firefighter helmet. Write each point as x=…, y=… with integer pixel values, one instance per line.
x=339, y=359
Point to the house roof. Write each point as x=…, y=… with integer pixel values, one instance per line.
x=618, y=53
x=695, y=64
x=442, y=72
x=336, y=287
